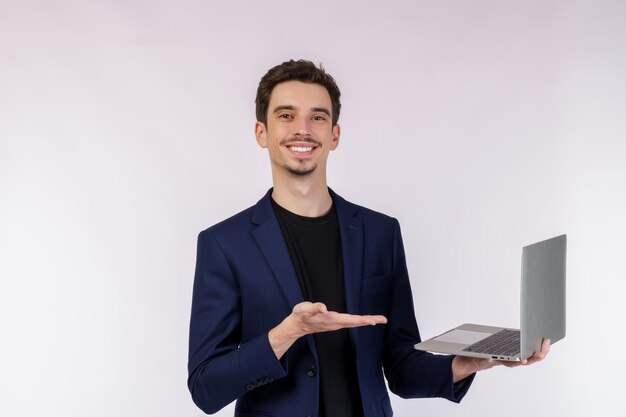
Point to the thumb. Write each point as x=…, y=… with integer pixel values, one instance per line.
x=320, y=308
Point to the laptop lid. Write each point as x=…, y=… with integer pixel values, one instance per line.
x=542, y=294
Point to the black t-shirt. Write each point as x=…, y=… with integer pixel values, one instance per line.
x=315, y=248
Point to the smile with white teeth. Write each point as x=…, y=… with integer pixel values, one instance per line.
x=301, y=148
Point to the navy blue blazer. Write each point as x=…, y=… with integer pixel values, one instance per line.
x=245, y=284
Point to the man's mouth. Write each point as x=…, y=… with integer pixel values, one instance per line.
x=301, y=149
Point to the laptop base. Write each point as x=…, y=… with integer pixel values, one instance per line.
x=456, y=340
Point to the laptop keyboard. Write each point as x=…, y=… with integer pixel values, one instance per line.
x=504, y=343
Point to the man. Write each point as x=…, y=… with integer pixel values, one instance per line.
x=302, y=301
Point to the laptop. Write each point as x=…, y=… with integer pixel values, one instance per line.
x=542, y=304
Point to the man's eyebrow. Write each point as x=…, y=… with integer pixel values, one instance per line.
x=291, y=107
x=321, y=110
x=283, y=107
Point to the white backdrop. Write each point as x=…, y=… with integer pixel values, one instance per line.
x=126, y=127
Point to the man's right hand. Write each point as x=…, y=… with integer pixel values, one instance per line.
x=307, y=318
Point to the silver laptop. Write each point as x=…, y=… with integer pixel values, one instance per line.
x=542, y=312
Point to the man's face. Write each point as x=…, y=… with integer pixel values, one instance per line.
x=299, y=133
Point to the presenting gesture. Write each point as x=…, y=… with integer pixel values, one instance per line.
x=307, y=318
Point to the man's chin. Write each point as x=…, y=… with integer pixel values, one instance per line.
x=301, y=171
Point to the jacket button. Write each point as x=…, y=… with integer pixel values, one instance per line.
x=311, y=371
x=249, y=387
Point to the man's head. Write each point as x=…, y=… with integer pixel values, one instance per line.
x=297, y=111
x=300, y=70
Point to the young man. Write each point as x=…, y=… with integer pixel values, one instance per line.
x=302, y=301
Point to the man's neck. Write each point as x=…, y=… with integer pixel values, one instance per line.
x=303, y=197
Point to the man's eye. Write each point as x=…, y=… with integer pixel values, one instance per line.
x=319, y=118
x=285, y=116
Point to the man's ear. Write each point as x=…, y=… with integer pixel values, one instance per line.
x=261, y=134
x=334, y=140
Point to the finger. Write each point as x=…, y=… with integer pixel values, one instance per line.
x=321, y=308
x=532, y=359
x=539, y=356
x=545, y=348
x=309, y=308
x=303, y=307
x=513, y=364
x=486, y=363
x=343, y=320
x=376, y=319
x=348, y=320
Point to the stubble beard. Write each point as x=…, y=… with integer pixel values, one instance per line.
x=301, y=172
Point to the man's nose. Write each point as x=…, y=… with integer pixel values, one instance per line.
x=302, y=127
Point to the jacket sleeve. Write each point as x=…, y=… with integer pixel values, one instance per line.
x=412, y=373
x=221, y=367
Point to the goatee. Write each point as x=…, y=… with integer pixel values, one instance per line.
x=301, y=172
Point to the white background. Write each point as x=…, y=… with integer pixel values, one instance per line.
x=126, y=127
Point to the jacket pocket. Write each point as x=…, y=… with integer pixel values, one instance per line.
x=376, y=283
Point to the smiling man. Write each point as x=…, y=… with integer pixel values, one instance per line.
x=302, y=302
x=301, y=132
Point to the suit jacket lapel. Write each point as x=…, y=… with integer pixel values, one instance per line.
x=351, y=232
x=270, y=239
